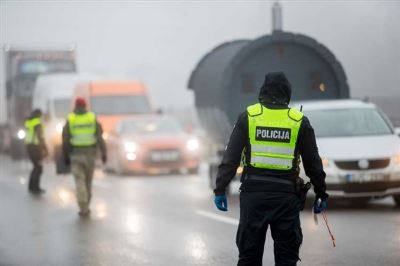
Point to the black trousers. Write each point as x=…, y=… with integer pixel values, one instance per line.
x=280, y=211
x=36, y=156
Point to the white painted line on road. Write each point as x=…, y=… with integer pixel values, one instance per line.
x=218, y=217
x=100, y=184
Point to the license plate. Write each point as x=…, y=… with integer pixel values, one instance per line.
x=164, y=156
x=364, y=177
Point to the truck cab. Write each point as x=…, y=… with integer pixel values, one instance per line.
x=22, y=67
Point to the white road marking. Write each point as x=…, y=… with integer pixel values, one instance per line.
x=218, y=217
x=100, y=184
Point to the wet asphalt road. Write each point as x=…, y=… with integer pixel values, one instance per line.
x=166, y=220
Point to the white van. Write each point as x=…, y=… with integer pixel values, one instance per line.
x=52, y=94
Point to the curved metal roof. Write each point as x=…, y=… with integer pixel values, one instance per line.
x=300, y=39
x=209, y=74
x=216, y=68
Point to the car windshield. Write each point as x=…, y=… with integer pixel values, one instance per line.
x=62, y=107
x=120, y=105
x=348, y=122
x=151, y=126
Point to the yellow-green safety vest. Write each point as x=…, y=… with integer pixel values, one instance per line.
x=82, y=128
x=273, y=136
x=31, y=136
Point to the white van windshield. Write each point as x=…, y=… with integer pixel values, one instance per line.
x=120, y=105
x=348, y=122
x=62, y=107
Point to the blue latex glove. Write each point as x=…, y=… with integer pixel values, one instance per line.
x=221, y=202
x=320, y=205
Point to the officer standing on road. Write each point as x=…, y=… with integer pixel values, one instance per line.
x=81, y=136
x=271, y=136
x=36, y=148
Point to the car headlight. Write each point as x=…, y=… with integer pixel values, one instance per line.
x=59, y=127
x=21, y=134
x=130, y=146
x=131, y=156
x=239, y=170
x=396, y=159
x=192, y=145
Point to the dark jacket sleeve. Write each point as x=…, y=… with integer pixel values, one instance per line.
x=232, y=155
x=66, y=145
x=100, y=140
x=311, y=161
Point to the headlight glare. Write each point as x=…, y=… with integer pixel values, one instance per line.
x=130, y=146
x=59, y=127
x=239, y=170
x=325, y=162
x=21, y=134
x=396, y=159
x=192, y=145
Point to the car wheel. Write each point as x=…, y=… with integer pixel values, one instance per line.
x=397, y=200
x=117, y=165
x=119, y=169
x=108, y=167
x=193, y=171
x=360, y=202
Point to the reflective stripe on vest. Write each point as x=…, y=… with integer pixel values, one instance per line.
x=31, y=136
x=82, y=128
x=273, y=136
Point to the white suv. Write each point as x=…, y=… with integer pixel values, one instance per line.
x=358, y=146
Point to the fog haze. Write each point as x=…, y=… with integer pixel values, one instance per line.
x=160, y=42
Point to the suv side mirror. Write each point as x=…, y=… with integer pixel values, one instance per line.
x=397, y=131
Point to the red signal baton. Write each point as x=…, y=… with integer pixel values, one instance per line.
x=324, y=215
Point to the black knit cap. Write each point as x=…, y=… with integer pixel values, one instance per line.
x=36, y=113
x=276, y=89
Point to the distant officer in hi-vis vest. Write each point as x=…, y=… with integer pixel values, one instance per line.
x=82, y=134
x=36, y=148
x=271, y=136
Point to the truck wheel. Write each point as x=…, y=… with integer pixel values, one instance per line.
x=17, y=149
x=397, y=200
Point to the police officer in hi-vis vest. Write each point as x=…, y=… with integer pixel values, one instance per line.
x=36, y=148
x=271, y=136
x=82, y=134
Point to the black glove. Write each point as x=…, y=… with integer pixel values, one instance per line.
x=104, y=158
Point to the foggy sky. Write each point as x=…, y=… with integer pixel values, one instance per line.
x=160, y=42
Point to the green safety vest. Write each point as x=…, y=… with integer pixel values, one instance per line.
x=31, y=136
x=273, y=136
x=82, y=128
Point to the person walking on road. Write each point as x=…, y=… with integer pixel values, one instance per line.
x=81, y=135
x=271, y=136
x=36, y=149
